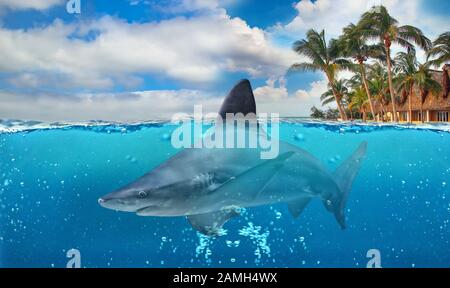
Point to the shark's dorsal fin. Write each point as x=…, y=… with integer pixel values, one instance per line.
x=239, y=100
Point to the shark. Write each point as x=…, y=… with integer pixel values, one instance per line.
x=210, y=186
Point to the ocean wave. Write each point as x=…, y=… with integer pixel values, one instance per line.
x=16, y=126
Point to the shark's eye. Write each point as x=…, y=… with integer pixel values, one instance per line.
x=142, y=194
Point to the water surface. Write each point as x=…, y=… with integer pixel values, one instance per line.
x=51, y=176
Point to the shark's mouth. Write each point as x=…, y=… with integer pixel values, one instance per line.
x=146, y=211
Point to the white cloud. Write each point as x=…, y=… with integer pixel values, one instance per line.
x=29, y=4
x=333, y=15
x=195, y=50
x=316, y=89
x=270, y=92
x=133, y=106
x=147, y=105
x=274, y=97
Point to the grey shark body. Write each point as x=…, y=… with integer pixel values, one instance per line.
x=210, y=185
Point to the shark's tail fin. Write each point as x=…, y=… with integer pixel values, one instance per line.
x=344, y=176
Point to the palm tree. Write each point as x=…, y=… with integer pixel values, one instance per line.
x=356, y=85
x=354, y=44
x=441, y=49
x=412, y=73
x=359, y=100
x=406, y=67
x=328, y=96
x=425, y=83
x=377, y=23
x=324, y=57
x=378, y=79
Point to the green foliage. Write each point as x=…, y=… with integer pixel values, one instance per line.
x=323, y=56
x=317, y=113
x=329, y=114
x=441, y=49
x=377, y=23
x=355, y=51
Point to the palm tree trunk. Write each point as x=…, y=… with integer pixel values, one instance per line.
x=421, y=106
x=421, y=113
x=409, y=102
x=391, y=88
x=338, y=100
x=366, y=86
x=341, y=110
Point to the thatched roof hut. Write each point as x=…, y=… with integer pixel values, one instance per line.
x=433, y=107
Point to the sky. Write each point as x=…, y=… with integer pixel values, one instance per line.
x=134, y=60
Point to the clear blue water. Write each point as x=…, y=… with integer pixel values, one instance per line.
x=50, y=180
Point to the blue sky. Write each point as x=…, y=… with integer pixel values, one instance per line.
x=169, y=55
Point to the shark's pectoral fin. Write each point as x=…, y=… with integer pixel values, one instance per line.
x=253, y=180
x=210, y=224
x=297, y=206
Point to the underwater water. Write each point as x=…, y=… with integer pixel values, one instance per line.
x=51, y=178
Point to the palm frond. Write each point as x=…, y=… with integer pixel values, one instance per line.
x=304, y=67
x=305, y=48
x=406, y=44
x=328, y=101
x=440, y=50
x=415, y=35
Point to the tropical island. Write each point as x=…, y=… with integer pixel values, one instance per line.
x=384, y=87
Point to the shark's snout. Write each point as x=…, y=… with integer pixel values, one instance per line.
x=106, y=203
x=112, y=203
x=126, y=200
